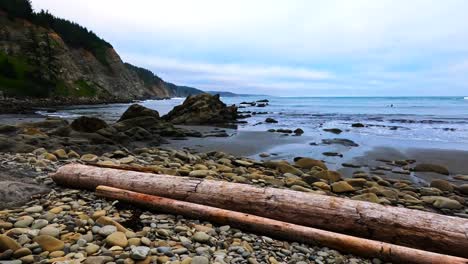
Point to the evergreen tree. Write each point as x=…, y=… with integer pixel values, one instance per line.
x=17, y=8
x=7, y=69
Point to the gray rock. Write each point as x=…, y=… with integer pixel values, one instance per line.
x=34, y=209
x=39, y=223
x=139, y=253
x=50, y=231
x=14, y=193
x=200, y=260
x=107, y=230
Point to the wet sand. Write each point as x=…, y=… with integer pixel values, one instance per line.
x=239, y=143
x=14, y=119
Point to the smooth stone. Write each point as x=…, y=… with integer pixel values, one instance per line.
x=342, y=186
x=145, y=241
x=139, y=253
x=200, y=260
x=442, y=185
x=39, y=223
x=134, y=241
x=308, y=163
x=425, y=167
x=107, y=230
x=463, y=188
x=56, y=210
x=16, y=261
x=5, y=225
x=91, y=249
x=24, y=221
x=104, y=220
x=447, y=203
x=98, y=214
x=98, y=260
x=49, y=243
x=461, y=177
x=57, y=254
x=27, y=259
x=89, y=158
x=127, y=160
x=22, y=252
x=201, y=237
x=117, y=239
x=50, y=231
x=201, y=173
x=34, y=209
x=61, y=154
x=368, y=197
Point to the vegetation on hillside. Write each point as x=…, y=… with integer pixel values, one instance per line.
x=148, y=77
x=72, y=34
x=19, y=78
x=35, y=74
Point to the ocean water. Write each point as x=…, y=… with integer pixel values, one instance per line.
x=439, y=122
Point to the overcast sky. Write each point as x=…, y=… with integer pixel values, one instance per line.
x=288, y=48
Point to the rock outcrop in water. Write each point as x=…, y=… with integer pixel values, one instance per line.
x=137, y=110
x=202, y=109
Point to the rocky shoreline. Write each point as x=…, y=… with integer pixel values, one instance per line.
x=73, y=226
x=31, y=105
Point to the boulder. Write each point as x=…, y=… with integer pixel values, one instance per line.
x=426, y=167
x=136, y=110
x=442, y=185
x=463, y=188
x=202, y=109
x=270, y=120
x=341, y=187
x=298, y=131
x=308, y=163
x=88, y=124
x=367, y=197
x=16, y=193
x=446, y=203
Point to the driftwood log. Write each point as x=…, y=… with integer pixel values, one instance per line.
x=413, y=228
x=345, y=243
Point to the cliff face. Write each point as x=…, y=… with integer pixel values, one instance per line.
x=36, y=62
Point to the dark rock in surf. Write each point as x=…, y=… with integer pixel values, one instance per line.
x=340, y=141
x=270, y=120
x=332, y=154
x=358, y=125
x=136, y=110
x=202, y=109
x=426, y=167
x=333, y=130
x=88, y=124
x=298, y=131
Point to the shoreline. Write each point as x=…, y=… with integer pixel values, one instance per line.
x=386, y=176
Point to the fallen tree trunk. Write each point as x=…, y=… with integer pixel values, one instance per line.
x=413, y=228
x=358, y=246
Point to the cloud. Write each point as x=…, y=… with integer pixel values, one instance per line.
x=375, y=47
